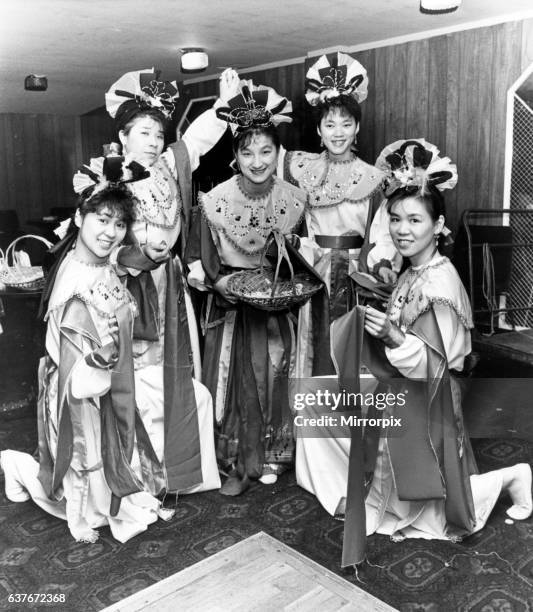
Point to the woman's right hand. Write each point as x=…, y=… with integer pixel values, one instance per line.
x=157, y=252
x=229, y=84
x=378, y=325
x=221, y=286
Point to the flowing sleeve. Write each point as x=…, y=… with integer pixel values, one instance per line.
x=410, y=357
x=203, y=134
x=201, y=256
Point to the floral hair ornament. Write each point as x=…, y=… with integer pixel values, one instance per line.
x=343, y=75
x=255, y=106
x=141, y=90
x=415, y=164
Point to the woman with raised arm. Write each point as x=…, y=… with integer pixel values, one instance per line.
x=175, y=429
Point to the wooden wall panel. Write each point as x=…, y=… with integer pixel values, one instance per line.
x=506, y=57
x=38, y=155
x=437, y=103
x=416, y=85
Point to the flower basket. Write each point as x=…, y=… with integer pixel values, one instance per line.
x=14, y=274
x=263, y=289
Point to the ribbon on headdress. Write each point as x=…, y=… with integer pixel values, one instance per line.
x=343, y=75
x=255, y=106
x=141, y=90
x=413, y=164
x=104, y=171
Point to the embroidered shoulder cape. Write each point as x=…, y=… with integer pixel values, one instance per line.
x=247, y=222
x=331, y=183
x=418, y=288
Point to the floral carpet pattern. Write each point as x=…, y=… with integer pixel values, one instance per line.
x=491, y=571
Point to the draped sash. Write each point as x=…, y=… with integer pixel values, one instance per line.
x=425, y=456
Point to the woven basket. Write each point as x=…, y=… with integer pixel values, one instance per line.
x=264, y=289
x=261, y=289
x=17, y=276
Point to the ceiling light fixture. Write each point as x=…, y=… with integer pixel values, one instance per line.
x=438, y=7
x=34, y=82
x=194, y=59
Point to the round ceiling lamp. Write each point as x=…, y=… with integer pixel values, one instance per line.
x=194, y=59
x=438, y=7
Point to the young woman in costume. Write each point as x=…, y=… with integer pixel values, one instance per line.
x=176, y=411
x=344, y=191
x=248, y=352
x=425, y=481
x=86, y=406
x=320, y=469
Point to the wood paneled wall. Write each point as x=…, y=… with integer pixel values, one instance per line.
x=38, y=155
x=449, y=89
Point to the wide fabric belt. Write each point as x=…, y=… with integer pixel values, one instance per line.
x=339, y=242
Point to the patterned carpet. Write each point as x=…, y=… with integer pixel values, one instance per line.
x=491, y=571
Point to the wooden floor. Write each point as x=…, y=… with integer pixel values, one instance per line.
x=259, y=573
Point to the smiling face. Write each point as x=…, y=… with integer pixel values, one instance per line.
x=144, y=140
x=338, y=130
x=99, y=233
x=257, y=161
x=413, y=230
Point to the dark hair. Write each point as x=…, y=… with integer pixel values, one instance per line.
x=115, y=197
x=242, y=139
x=118, y=199
x=345, y=105
x=430, y=197
x=126, y=119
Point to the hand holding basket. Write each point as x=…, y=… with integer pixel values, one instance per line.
x=264, y=289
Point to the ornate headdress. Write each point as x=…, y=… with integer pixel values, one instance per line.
x=140, y=90
x=103, y=172
x=342, y=76
x=255, y=106
x=414, y=164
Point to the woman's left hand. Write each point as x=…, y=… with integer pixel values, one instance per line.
x=229, y=84
x=378, y=325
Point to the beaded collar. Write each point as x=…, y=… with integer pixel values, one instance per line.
x=330, y=183
x=97, y=285
x=160, y=202
x=246, y=222
x=418, y=288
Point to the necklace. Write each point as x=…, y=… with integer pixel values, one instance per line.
x=403, y=294
x=255, y=197
x=90, y=264
x=159, y=204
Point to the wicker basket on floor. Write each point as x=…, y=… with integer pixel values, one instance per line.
x=262, y=287
x=17, y=276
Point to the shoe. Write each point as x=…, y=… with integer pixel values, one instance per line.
x=269, y=475
x=15, y=492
